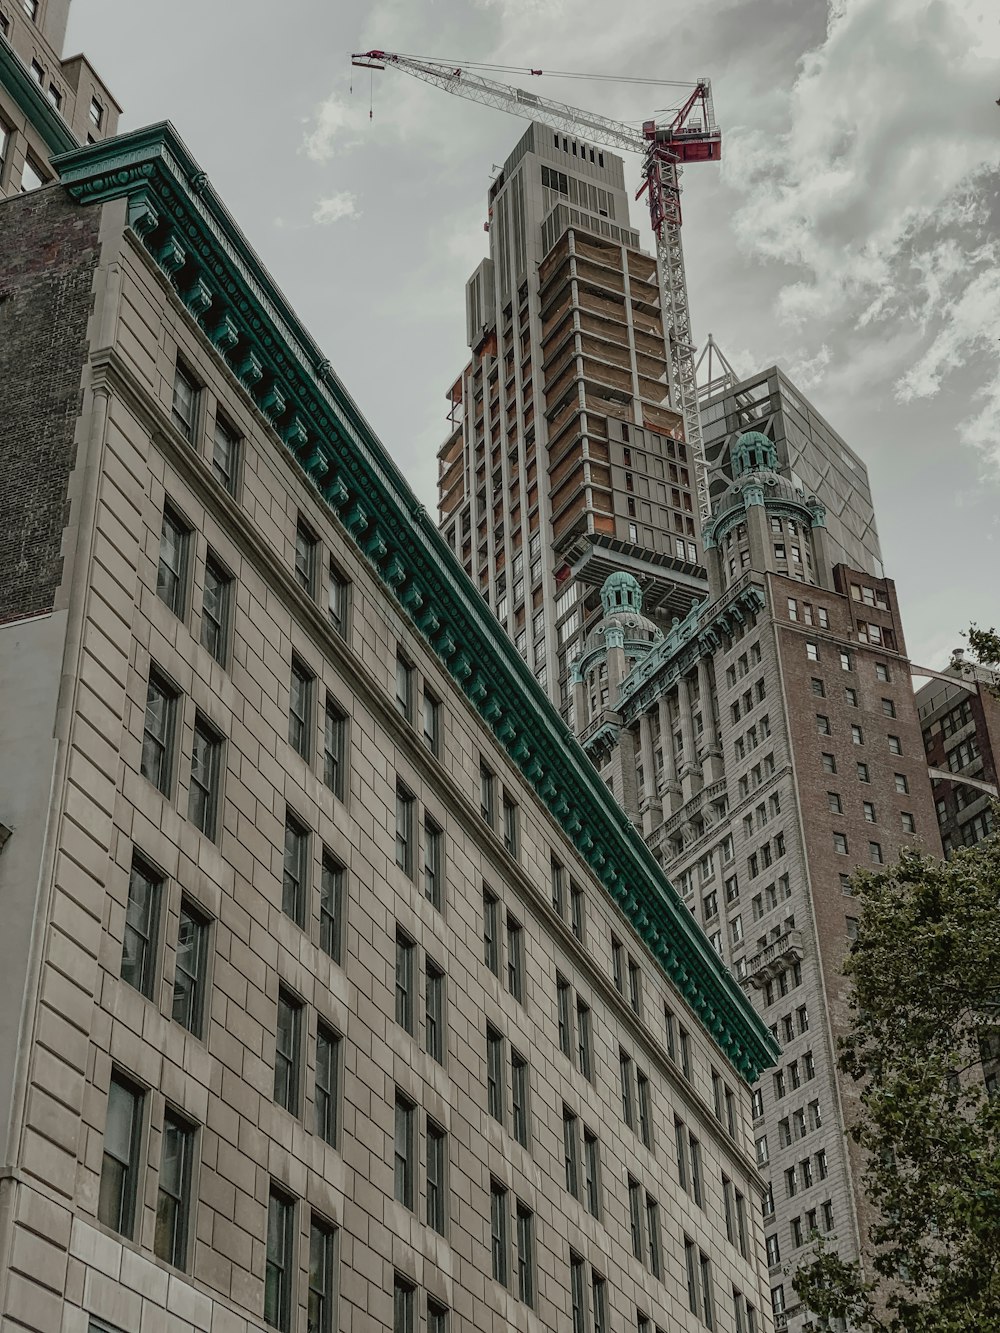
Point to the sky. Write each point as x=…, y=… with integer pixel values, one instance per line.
x=851, y=233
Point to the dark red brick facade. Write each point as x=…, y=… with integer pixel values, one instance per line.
x=48, y=253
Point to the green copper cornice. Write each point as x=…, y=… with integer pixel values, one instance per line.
x=184, y=226
x=43, y=116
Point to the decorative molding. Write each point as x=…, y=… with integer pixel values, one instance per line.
x=181, y=222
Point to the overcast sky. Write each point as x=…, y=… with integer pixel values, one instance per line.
x=852, y=233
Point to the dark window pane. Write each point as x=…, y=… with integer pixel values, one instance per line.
x=173, y=1193
x=142, y=916
x=189, y=970
x=120, y=1163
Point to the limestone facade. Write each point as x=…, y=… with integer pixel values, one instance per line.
x=312, y=1012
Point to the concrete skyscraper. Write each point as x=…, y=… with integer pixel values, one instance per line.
x=566, y=456
x=768, y=744
x=335, y=992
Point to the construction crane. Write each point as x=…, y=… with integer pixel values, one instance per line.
x=665, y=148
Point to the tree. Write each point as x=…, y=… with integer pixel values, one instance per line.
x=925, y=971
x=985, y=645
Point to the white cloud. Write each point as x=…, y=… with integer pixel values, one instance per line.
x=335, y=127
x=874, y=197
x=337, y=206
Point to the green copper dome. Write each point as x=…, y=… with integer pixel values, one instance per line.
x=621, y=592
x=753, y=452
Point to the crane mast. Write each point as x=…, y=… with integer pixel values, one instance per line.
x=664, y=148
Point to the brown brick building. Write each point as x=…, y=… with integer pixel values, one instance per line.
x=768, y=745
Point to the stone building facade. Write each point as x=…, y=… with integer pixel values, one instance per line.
x=335, y=991
x=767, y=745
x=48, y=103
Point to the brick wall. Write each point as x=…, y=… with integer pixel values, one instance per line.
x=48, y=252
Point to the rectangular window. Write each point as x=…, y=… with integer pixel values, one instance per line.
x=331, y=907
x=338, y=602
x=707, y=1298
x=565, y=1016
x=322, y=1276
x=157, y=763
x=519, y=1097
x=294, y=872
x=691, y=1269
x=515, y=959
x=437, y=1317
x=305, y=558
x=645, y=1109
x=173, y=1194
x=215, y=610
x=226, y=455
x=433, y=862
x=327, y=1090
x=625, y=1073
x=685, y=1044
x=895, y=745
x=334, y=747
x=96, y=110
x=576, y=910
x=190, y=969
x=184, y=402
x=498, y=1232
x=437, y=1166
x=591, y=1172
x=487, y=794
x=635, y=1216
x=578, y=1292
x=171, y=571
x=404, y=830
x=600, y=1301
x=287, y=1053
x=697, y=1192
x=525, y=1254
x=405, y=676
x=680, y=1152
x=142, y=923
x=558, y=878
x=494, y=1073
x=491, y=932
x=571, y=1152
x=206, y=765
x=404, y=1154
x=618, y=965
x=300, y=695
x=434, y=1011
x=403, y=1306
x=653, y=1236
x=431, y=711
x=670, y=1024
x=634, y=986
x=279, y=1269
x=511, y=838
x=584, y=1039
x=406, y=953
x=120, y=1162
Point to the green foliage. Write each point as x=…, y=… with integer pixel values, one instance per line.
x=985, y=645
x=926, y=977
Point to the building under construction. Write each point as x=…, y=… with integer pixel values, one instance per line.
x=567, y=456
